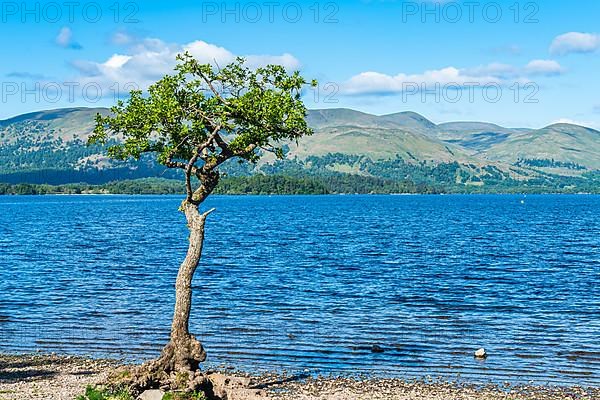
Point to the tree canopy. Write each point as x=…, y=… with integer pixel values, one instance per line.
x=203, y=115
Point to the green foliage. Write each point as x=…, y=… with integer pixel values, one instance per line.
x=184, y=396
x=48, y=148
x=95, y=393
x=251, y=185
x=316, y=176
x=18, y=156
x=549, y=163
x=202, y=116
x=138, y=186
x=262, y=184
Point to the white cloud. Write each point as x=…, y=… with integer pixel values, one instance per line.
x=286, y=59
x=122, y=38
x=496, y=70
x=117, y=61
x=544, y=67
x=575, y=42
x=209, y=53
x=65, y=39
x=150, y=59
x=495, y=73
x=375, y=82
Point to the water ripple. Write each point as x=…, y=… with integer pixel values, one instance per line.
x=315, y=282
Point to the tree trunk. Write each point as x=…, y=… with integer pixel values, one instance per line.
x=184, y=352
x=177, y=368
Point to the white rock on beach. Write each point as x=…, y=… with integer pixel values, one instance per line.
x=481, y=353
x=152, y=395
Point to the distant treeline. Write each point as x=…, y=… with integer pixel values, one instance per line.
x=282, y=184
x=549, y=163
x=257, y=184
x=313, y=175
x=333, y=184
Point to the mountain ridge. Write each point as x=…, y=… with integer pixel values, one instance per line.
x=57, y=112
x=345, y=141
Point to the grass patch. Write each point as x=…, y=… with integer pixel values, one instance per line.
x=184, y=396
x=92, y=393
x=99, y=393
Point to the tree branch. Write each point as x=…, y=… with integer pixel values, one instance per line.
x=205, y=214
x=211, y=138
x=205, y=117
x=188, y=175
x=212, y=88
x=247, y=150
x=174, y=164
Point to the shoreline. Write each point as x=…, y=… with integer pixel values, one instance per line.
x=9, y=195
x=58, y=377
x=289, y=185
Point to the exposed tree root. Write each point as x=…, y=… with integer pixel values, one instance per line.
x=182, y=354
x=177, y=369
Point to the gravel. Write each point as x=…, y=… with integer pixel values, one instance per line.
x=49, y=377
x=53, y=377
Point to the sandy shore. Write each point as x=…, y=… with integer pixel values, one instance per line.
x=51, y=377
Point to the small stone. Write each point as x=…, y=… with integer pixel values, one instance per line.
x=481, y=353
x=377, y=349
x=154, y=394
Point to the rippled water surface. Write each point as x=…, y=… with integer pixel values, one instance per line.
x=315, y=282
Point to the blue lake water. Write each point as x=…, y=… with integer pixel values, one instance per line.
x=312, y=282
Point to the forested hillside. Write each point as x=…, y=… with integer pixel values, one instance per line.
x=402, y=152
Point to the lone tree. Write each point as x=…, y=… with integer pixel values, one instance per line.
x=195, y=120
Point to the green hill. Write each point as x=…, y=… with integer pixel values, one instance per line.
x=563, y=143
x=475, y=136
x=50, y=147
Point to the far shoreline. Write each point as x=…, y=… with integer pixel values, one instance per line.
x=8, y=195
x=275, y=185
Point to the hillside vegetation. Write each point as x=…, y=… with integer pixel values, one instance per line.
x=401, y=152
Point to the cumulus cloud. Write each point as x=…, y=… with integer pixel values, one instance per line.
x=375, y=82
x=544, y=67
x=575, y=42
x=149, y=59
x=495, y=73
x=65, y=39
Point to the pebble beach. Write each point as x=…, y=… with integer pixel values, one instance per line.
x=54, y=377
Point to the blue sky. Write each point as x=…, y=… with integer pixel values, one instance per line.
x=448, y=60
